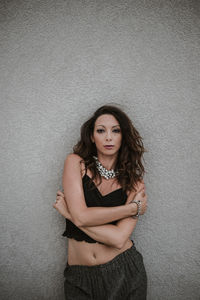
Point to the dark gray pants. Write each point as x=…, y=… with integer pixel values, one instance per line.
x=122, y=278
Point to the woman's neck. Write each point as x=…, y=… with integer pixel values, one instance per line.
x=108, y=162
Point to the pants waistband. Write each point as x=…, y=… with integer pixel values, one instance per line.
x=116, y=261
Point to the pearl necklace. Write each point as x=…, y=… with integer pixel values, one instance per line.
x=103, y=171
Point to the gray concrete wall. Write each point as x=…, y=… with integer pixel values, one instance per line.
x=60, y=60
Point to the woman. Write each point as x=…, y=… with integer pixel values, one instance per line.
x=103, y=196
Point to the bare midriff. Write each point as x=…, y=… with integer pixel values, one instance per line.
x=83, y=253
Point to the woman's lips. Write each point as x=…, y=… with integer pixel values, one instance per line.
x=109, y=146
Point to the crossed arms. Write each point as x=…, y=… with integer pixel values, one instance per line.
x=93, y=220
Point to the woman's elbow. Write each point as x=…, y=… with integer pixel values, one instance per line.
x=78, y=220
x=119, y=242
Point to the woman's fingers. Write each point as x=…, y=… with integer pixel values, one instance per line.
x=60, y=193
x=142, y=186
x=59, y=198
x=141, y=193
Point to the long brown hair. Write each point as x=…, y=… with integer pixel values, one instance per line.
x=130, y=155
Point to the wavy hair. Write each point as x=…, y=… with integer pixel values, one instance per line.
x=130, y=155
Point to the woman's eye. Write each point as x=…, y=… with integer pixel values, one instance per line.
x=102, y=130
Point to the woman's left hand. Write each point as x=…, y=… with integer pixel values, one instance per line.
x=139, y=187
x=61, y=205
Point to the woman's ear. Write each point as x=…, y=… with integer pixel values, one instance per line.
x=91, y=137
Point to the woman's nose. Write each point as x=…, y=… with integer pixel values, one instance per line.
x=108, y=137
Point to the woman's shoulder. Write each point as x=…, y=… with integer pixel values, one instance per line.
x=73, y=158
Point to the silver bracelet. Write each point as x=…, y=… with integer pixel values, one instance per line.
x=138, y=202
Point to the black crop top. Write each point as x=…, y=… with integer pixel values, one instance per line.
x=94, y=198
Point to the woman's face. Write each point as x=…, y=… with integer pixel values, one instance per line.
x=107, y=132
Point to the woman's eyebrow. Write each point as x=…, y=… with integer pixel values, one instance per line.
x=112, y=126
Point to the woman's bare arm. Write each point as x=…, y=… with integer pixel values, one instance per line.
x=115, y=235
x=81, y=214
x=112, y=235
x=109, y=234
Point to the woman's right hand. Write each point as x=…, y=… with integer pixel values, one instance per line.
x=61, y=205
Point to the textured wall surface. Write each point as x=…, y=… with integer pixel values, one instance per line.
x=60, y=60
